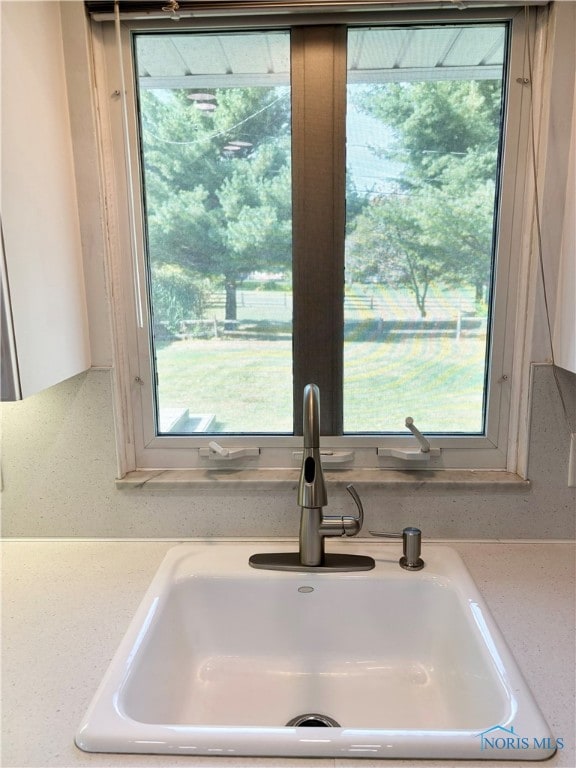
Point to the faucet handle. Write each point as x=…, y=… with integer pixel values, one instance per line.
x=351, y=525
x=344, y=525
x=412, y=546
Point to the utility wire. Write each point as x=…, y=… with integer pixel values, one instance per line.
x=218, y=133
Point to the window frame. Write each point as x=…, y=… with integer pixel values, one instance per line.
x=138, y=445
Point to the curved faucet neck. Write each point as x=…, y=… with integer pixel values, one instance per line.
x=311, y=416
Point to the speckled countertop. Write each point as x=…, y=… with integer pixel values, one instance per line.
x=67, y=604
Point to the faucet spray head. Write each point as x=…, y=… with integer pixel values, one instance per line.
x=311, y=488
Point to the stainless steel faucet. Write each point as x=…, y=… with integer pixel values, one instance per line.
x=315, y=526
x=312, y=497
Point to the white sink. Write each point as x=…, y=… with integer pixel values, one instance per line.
x=220, y=657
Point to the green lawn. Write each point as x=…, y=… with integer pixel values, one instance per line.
x=247, y=383
x=437, y=381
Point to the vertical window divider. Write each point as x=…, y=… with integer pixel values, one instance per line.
x=319, y=168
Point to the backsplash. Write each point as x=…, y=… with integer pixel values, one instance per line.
x=58, y=471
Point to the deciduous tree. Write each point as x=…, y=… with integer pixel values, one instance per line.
x=438, y=224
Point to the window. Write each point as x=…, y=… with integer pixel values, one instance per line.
x=421, y=218
x=325, y=201
x=218, y=217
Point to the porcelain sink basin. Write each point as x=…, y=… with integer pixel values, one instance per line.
x=220, y=658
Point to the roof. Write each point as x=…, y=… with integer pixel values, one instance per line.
x=215, y=60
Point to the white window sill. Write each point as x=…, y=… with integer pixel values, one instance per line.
x=265, y=479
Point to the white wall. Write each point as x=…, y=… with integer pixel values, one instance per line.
x=554, y=138
x=78, y=53
x=565, y=316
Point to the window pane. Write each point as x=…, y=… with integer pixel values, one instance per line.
x=214, y=112
x=423, y=133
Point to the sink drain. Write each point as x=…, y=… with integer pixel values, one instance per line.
x=312, y=720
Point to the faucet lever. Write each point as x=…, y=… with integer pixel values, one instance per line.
x=343, y=525
x=355, y=523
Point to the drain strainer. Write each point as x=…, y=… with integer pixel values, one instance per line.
x=312, y=720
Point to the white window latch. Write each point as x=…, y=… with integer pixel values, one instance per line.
x=217, y=452
x=424, y=453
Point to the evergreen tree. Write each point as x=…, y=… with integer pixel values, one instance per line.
x=217, y=193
